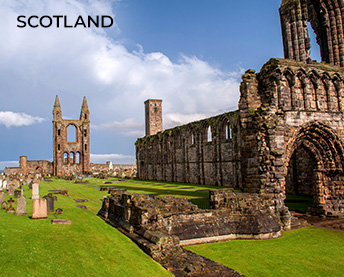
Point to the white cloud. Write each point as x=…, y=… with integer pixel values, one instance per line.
x=88, y=62
x=37, y=64
x=114, y=158
x=4, y=164
x=10, y=119
x=129, y=127
x=175, y=119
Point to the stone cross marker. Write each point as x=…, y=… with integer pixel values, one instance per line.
x=35, y=191
x=10, y=209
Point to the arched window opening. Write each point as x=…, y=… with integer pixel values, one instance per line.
x=57, y=115
x=209, y=135
x=58, y=147
x=72, y=158
x=177, y=139
x=228, y=131
x=71, y=133
x=193, y=139
x=85, y=133
x=315, y=48
x=85, y=147
x=85, y=116
x=65, y=158
x=59, y=132
x=78, y=157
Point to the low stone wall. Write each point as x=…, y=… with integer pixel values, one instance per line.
x=246, y=217
x=115, y=170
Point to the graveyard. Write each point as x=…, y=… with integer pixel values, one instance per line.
x=89, y=246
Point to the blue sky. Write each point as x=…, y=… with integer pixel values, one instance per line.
x=189, y=53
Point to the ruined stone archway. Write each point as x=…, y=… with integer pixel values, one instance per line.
x=318, y=157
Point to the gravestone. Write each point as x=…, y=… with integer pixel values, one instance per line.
x=10, y=209
x=30, y=185
x=17, y=193
x=4, y=184
x=50, y=203
x=10, y=190
x=2, y=196
x=39, y=209
x=35, y=191
x=4, y=205
x=15, y=183
x=59, y=211
x=21, y=206
x=55, y=198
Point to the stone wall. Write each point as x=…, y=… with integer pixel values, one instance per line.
x=205, y=152
x=249, y=218
x=116, y=170
x=326, y=19
x=286, y=109
x=31, y=167
x=289, y=108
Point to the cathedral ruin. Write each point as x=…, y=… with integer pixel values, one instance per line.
x=288, y=132
x=71, y=155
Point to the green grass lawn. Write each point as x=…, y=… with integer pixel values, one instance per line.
x=298, y=203
x=87, y=247
x=305, y=252
x=91, y=247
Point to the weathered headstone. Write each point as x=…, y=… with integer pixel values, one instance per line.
x=17, y=193
x=39, y=209
x=4, y=184
x=21, y=206
x=10, y=209
x=50, y=203
x=2, y=196
x=35, y=191
x=61, y=221
x=15, y=183
x=55, y=198
x=59, y=211
x=11, y=190
x=4, y=205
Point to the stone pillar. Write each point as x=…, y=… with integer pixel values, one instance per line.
x=23, y=164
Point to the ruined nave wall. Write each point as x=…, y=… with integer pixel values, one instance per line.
x=205, y=152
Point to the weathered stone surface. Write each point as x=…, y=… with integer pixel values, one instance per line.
x=2, y=196
x=39, y=209
x=178, y=217
x=286, y=136
x=61, y=221
x=21, y=206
